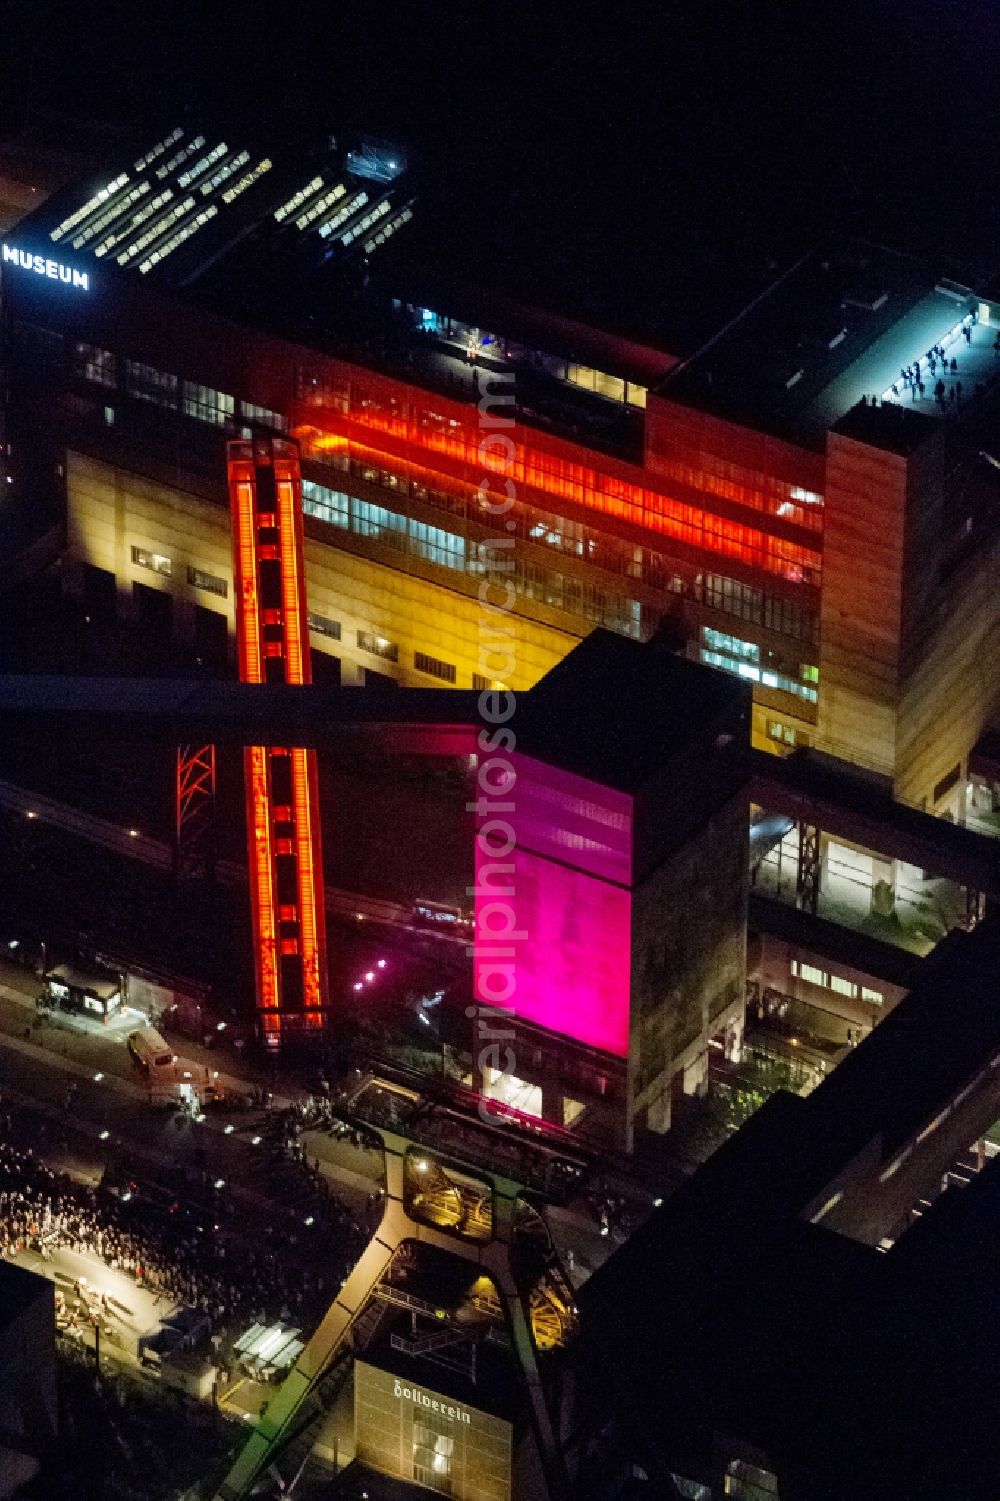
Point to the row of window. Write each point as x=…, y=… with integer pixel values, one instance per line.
x=425, y=428
x=449, y=550
x=787, y=617
x=197, y=577
x=162, y=388
x=758, y=675
x=785, y=734
x=434, y=667
x=816, y=976
x=466, y=336
x=694, y=467
x=378, y=646
x=367, y=641
x=751, y=661
x=323, y=626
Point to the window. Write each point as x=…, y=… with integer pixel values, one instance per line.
x=843, y=987
x=149, y=384
x=433, y=667
x=947, y=782
x=378, y=646
x=778, y=731
x=718, y=641
x=836, y=983
x=770, y=677
x=263, y=416
x=810, y=674
x=154, y=561
x=198, y=579
x=433, y=1447
x=437, y=546
x=809, y=972
x=208, y=405
x=375, y=521
x=324, y=627
x=332, y=506
x=95, y=364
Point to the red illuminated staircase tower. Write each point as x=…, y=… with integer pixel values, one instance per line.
x=283, y=833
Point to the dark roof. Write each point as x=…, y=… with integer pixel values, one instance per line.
x=20, y=1290
x=729, y=1312
x=887, y=426
x=838, y=325
x=306, y=240
x=610, y=710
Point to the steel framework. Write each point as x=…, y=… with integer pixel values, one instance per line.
x=527, y=1317
x=194, y=820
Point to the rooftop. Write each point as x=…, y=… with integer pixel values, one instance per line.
x=20, y=1290
x=836, y=1339
x=839, y=327
x=609, y=710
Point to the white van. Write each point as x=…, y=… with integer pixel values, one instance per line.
x=149, y=1051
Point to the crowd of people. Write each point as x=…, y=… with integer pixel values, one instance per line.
x=234, y=1275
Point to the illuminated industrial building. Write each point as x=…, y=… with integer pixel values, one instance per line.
x=749, y=501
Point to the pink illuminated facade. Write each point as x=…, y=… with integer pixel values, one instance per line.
x=569, y=876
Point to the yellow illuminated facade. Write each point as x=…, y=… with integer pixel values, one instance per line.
x=373, y=617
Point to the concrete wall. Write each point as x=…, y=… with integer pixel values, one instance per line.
x=860, y=618
x=688, y=961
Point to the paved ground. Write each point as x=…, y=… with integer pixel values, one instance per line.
x=36, y=1069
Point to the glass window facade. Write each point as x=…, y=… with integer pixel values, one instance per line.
x=262, y=416
x=749, y=660
x=207, y=404
x=98, y=365
x=149, y=384
x=434, y=667
x=210, y=582
x=617, y=490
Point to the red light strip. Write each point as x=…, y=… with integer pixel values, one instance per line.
x=700, y=527
x=297, y=664
x=310, y=920
x=309, y=947
x=241, y=490
x=262, y=887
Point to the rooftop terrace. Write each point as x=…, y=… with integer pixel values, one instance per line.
x=839, y=327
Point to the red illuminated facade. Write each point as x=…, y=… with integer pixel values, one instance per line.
x=283, y=835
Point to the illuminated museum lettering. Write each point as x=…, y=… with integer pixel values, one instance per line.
x=446, y=1409
x=42, y=266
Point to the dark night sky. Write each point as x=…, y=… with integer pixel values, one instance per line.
x=617, y=145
